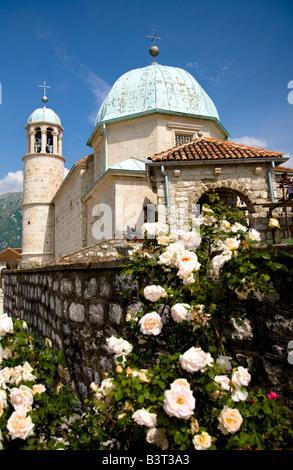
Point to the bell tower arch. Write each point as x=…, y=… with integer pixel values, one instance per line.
x=43, y=173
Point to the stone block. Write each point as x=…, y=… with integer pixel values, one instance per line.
x=96, y=314
x=76, y=312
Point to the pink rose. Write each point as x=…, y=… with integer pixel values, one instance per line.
x=21, y=397
x=272, y=396
x=179, y=402
x=144, y=418
x=195, y=359
x=19, y=425
x=154, y=293
x=179, y=312
x=151, y=324
x=230, y=420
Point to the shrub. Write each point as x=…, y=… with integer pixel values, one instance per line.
x=175, y=385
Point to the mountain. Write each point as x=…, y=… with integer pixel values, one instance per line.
x=10, y=220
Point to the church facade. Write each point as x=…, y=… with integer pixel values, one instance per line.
x=158, y=148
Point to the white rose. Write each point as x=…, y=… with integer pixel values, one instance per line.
x=152, y=228
x=223, y=381
x=179, y=312
x=118, y=345
x=179, y=402
x=240, y=377
x=157, y=437
x=38, y=388
x=3, y=401
x=21, y=397
x=19, y=425
x=230, y=420
x=105, y=388
x=151, y=324
x=145, y=418
x=218, y=262
x=23, y=373
x=202, y=441
x=187, y=263
x=231, y=244
x=206, y=217
x=237, y=226
x=225, y=225
x=6, y=325
x=179, y=383
x=170, y=255
x=274, y=223
x=239, y=395
x=7, y=375
x=154, y=293
x=192, y=238
x=253, y=235
x=5, y=353
x=195, y=359
x=141, y=374
x=115, y=344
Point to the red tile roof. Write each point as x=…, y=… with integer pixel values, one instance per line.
x=84, y=159
x=10, y=254
x=208, y=148
x=280, y=169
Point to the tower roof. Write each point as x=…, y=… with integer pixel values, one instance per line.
x=44, y=114
x=156, y=88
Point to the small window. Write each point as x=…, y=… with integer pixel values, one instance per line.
x=38, y=140
x=49, y=146
x=183, y=138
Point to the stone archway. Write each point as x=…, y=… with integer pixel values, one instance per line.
x=233, y=194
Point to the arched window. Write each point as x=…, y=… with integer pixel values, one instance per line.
x=38, y=140
x=49, y=145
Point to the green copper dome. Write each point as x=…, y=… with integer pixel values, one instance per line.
x=156, y=88
x=44, y=114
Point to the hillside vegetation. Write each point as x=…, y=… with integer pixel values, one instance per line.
x=10, y=220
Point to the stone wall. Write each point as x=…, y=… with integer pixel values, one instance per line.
x=78, y=305
x=188, y=184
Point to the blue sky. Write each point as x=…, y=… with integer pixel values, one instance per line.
x=241, y=52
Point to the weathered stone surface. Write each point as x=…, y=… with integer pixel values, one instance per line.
x=96, y=314
x=76, y=312
x=66, y=287
x=79, y=307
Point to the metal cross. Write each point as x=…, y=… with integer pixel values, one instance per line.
x=153, y=37
x=44, y=86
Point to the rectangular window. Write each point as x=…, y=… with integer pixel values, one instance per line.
x=183, y=138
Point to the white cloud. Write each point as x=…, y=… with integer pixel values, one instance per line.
x=251, y=141
x=203, y=73
x=97, y=85
x=12, y=182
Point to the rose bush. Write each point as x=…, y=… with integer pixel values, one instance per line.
x=198, y=396
x=34, y=407
x=175, y=385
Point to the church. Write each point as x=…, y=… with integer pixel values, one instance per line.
x=158, y=148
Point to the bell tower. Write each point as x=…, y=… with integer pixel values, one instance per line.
x=42, y=175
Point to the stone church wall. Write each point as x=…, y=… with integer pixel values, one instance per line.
x=68, y=217
x=187, y=184
x=78, y=306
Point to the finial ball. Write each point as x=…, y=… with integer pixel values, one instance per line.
x=44, y=99
x=154, y=51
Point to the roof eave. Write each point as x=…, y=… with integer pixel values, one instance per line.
x=155, y=111
x=220, y=161
x=107, y=174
